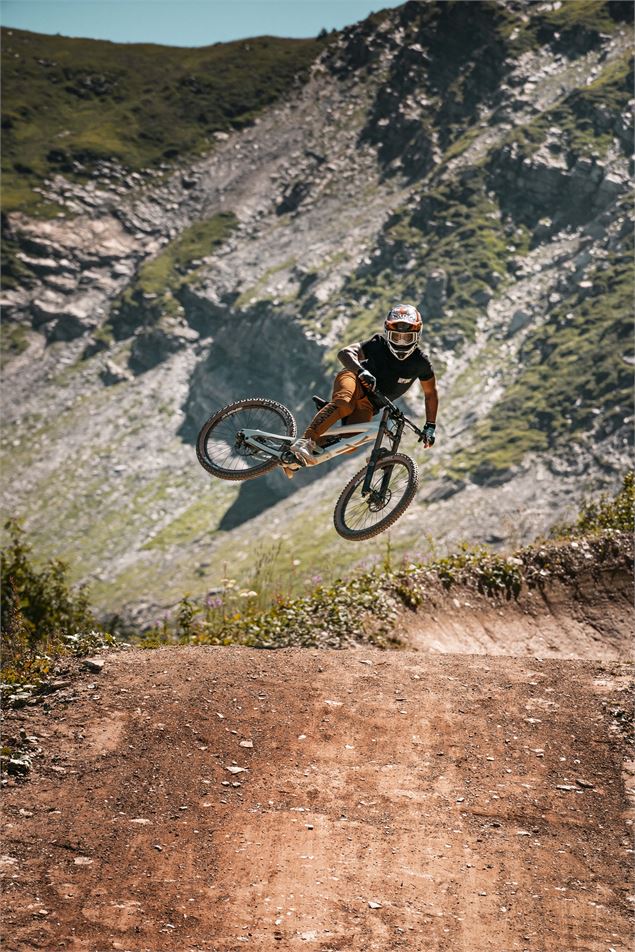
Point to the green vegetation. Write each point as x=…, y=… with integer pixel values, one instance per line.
x=154, y=291
x=332, y=616
x=13, y=341
x=592, y=16
x=13, y=272
x=363, y=609
x=81, y=106
x=573, y=377
x=466, y=238
x=456, y=227
x=608, y=513
x=41, y=617
x=586, y=116
x=168, y=268
x=254, y=293
x=573, y=25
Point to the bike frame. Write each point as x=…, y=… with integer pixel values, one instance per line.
x=349, y=437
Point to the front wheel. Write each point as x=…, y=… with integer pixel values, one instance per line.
x=393, y=488
x=221, y=448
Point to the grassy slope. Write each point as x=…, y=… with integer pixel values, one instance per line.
x=153, y=292
x=337, y=613
x=585, y=117
x=70, y=103
x=573, y=371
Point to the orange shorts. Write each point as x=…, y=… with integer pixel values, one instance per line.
x=349, y=402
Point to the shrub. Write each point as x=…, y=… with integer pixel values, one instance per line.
x=606, y=513
x=40, y=614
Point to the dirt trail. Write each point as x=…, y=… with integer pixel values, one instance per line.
x=390, y=801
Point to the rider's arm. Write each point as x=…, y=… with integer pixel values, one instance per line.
x=429, y=388
x=351, y=356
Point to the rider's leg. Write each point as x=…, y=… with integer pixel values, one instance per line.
x=348, y=401
x=363, y=412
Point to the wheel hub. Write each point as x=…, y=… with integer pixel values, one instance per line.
x=242, y=447
x=376, y=502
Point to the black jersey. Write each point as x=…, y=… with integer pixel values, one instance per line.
x=394, y=376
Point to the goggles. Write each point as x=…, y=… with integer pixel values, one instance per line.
x=401, y=333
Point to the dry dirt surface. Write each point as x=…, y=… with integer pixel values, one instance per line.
x=227, y=799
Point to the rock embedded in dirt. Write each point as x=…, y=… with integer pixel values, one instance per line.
x=18, y=766
x=58, y=684
x=584, y=784
x=111, y=373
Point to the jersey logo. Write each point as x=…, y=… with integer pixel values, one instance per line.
x=405, y=380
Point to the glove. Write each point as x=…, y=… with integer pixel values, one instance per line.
x=367, y=380
x=428, y=434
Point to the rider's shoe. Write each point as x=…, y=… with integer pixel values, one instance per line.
x=289, y=471
x=304, y=451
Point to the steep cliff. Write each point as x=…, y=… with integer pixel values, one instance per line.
x=471, y=158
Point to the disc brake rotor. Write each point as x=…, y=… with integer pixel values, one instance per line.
x=376, y=503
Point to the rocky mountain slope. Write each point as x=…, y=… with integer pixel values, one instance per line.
x=472, y=158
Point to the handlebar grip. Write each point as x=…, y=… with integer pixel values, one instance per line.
x=383, y=401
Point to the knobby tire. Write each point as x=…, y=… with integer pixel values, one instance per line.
x=347, y=508
x=282, y=422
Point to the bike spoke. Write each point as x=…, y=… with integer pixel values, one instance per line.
x=364, y=512
x=221, y=444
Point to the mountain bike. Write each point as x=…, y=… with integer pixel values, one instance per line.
x=251, y=437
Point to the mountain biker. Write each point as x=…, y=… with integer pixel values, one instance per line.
x=389, y=363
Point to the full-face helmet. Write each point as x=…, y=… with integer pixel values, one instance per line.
x=402, y=329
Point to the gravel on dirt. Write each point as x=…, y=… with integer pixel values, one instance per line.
x=419, y=802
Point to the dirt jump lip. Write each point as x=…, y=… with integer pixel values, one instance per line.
x=214, y=798
x=592, y=620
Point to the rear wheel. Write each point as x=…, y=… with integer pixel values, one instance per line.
x=221, y=448
x=393, y=488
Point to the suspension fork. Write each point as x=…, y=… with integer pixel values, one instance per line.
x=377, y=452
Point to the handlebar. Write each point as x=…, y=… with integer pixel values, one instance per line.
x=396, y=412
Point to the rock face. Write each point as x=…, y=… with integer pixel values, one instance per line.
x=470, y=158
x=436, y=292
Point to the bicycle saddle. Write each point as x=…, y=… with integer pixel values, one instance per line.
x=319, y=402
